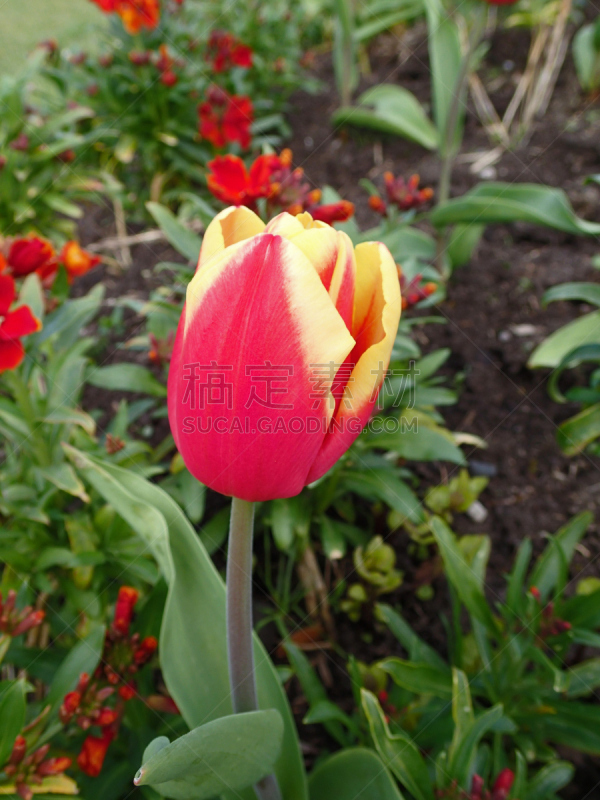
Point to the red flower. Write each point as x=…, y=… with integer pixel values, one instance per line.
x=225, y=51
x=29, y=254
x=127, y=692
x=169, y=78
x=231, y=182
x=139, y=58
x=138, y=14
x=126, y=600
x=76, y=260
x=145, y=651
x=69, y=706
x=20, y=143
x=13, y=326
x=333, y=212
x=54, y=766
x=108, y=6
x=226, y=118
x=93, y=753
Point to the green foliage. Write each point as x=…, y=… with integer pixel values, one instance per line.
x=508, y=678
x=375, y=566
x=586, y=55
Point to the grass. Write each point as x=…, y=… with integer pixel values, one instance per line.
x=24, y=23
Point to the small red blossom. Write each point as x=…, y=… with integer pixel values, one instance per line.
x=21, y=143
x=126, y=600
x=503, y=784
x=226, y=118
x=224, y=51
x=127, y=692
x=91, y=758
x=161, y=350
x=78, y=58
x=25, y=770
x=106, y=60
x=14, y=325
x=135, y=14
x=405, y=195
x=169, y=78
x=139, y=57
x=145, y=651
x=29, y=255
x=113, y=444
x=333, y=212
x=414, y=291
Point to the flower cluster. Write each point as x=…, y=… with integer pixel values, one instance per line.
x=271, y=177
x=414, y=291
x=164, y=64
x=405, y=195
x=14, y=621
x=26, y=770
x=499, y=791
x=224, y=51
x=135, y=14
x=87, y=706
x=225, y=118
x=14, y=325
x=34, y=254
x=550, y=625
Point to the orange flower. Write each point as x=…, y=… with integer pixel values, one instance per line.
x=76, y=260
x=138, y=14
x=231, y=182
x=93, y=753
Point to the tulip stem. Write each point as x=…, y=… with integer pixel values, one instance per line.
x=240, y=651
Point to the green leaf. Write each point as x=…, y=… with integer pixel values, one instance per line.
x=582, y=331
x=399, y=753
x=547, y=569
x=63, y=477
x=418, y=439
x=584, y=678
x=192, y=641
x=390, y=109
x=32, y=295
x=445, y=58
x=354, y=773
x=384, y=485
x=183, y=240
x=577, y=432
x=551, y=778
x=586, y=57
x=516, y=582
x=418, y=677
x=462, y=706
x=461, y=576
x=126, y=378
x=462, y=243
x=585, y=292
x=513, y=202
x=68, y=320
x=12, y=714
x=84, y=657
x=227, y=754
x=71, y=416
x=418, y=650
x=405, y=242
x=465, y=750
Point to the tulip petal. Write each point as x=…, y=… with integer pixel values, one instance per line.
x=376, y=316
x=233, y=225
x=259, y=303
x=284, y=224
x=11, y=354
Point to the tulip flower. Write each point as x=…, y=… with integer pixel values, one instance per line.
x=280, y=352
x=13, y=325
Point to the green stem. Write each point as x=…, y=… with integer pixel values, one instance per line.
x=448, y=149
x=242, y=678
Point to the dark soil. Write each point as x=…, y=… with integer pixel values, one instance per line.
x=535, y=489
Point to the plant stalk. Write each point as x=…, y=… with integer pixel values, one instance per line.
x=240, y=651
x=449, y=148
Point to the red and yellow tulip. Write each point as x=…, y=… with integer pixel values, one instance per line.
x=281, y=349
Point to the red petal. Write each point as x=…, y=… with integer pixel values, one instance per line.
x=11, y=355
x=7, y=294
x=20, y=322
x=228, y=179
